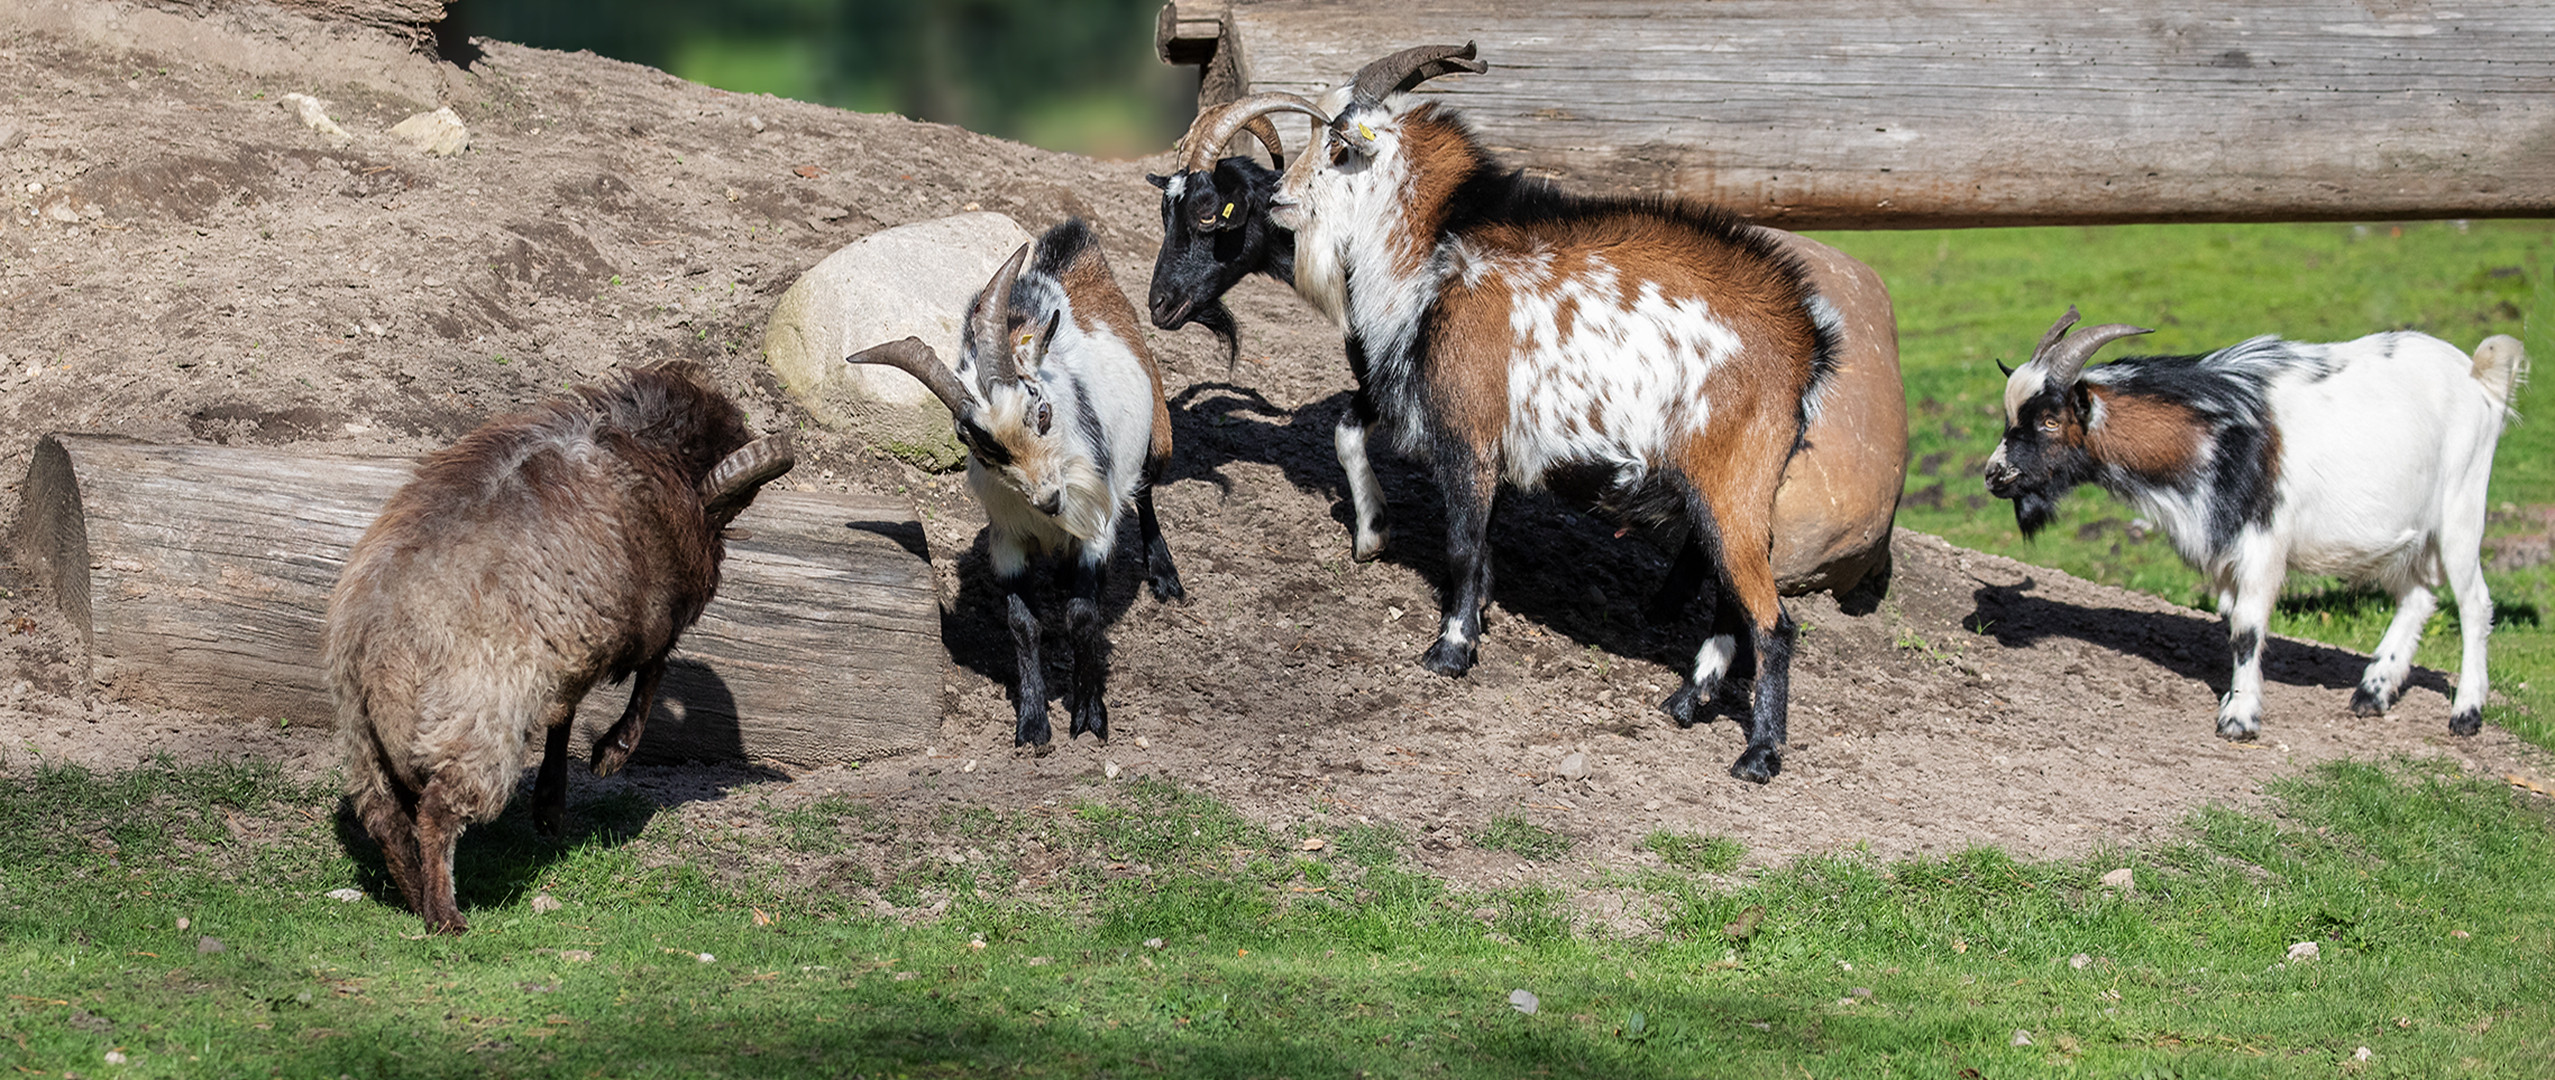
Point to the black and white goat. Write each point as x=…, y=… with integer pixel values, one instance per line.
x=1060, y=408
x=2364, y=459
x=1509, y=331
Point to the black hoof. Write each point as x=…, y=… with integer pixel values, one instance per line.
x=1092, y=717
x=2466, y=722
x=1167, y=588
x=1759, y=765
x=1448, y=660
x=1680, y=707
x=2367, y=703
x=1033, y=730
x=548, y=821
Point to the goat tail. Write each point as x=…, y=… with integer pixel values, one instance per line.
x=2501, y=364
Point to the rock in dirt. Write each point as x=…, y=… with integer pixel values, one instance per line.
x=439, y=133
x=314, y=115
x=209, y=945
x=2121, y=879
x=1524, y=1001
x=2302, y=952
x=914, y=279
x=1574, y=767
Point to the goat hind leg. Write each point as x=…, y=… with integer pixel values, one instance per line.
x=439, y=825
x=550, y=785
x=392, y=823
x=1470, y=484
x=2383, y=680
x=1158, y=569
x=2474, y=622
x=1763, y=758
x=612, y=749
x=1726, y=660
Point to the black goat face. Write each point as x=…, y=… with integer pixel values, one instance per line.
x=2042, y=456
x=1214, y=233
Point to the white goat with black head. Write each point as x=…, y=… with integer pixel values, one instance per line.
x=1060, y=408
x=2363, y=459
x=1509, y=331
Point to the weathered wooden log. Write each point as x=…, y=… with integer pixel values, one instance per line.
x=1927, y=113
x=198, y=577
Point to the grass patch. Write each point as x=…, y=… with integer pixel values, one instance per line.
x=2431, y=896
x=1696, y=854
x=1514, y=834
x=1967, y=298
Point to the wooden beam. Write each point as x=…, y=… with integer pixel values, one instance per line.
x=198, y=577
x=1928, y=113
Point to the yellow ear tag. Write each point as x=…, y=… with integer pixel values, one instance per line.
x=1228, y=210
x=1027, y=338
x=1366, y=132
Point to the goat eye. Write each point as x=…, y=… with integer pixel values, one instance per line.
x=2049, y=424
x=1046, y=416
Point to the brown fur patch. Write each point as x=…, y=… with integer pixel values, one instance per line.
x=1468, y=361
x=2144, y=435
x=1098, y=300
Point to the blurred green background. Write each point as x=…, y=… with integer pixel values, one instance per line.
x=1077, y=75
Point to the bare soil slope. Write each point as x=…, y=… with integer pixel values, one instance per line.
x=181, y=258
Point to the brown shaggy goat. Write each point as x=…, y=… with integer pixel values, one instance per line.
x=544, y=552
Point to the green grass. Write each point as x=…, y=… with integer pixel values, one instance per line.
x=1968, y=298
x=1180, y=940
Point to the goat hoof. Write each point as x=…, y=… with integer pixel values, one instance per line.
x=1759, y=765
x=2234, y=730
x=2466, y=721
x=1167, y=588
x=1680, y=706
x=2366, y=702
x=608, y=759
x=548, y=821
x=1093, y=718
x=1448, y=660
x=1367, y=549
x=1033, y=730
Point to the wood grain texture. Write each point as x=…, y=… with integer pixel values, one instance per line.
x=1927, y=113
x=200, y=577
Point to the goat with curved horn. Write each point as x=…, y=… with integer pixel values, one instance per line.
x=1411, y=67
x=2062, y=355
x=914, y=358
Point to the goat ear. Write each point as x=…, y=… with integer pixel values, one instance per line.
x=2000, y=366
x=1046, y=337
x=1163, y=182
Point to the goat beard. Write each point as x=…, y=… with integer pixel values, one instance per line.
x=2034, y=510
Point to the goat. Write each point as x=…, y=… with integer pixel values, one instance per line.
x=2365, y=459
x=1834, y=509
x=1060, y=408
x=1510, y=331
x=545, y=551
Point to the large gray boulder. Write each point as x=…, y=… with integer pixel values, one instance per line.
x=913, y=279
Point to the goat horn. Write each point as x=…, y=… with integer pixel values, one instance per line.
x=1216, y=127
x=1411, y=67
x=2056, y=331
x=2065, y=359
x=732, y=483
x=989, y=322
x=914, y=358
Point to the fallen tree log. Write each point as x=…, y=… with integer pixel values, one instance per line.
x=198, y=577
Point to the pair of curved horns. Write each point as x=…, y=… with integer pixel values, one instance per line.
x=732, y=482
x=1217, y=125
x=2062, y=357
x=1411, y=67
x=1390, y=75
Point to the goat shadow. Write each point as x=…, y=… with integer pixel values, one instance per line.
x=977, y=632
x=692, y=751
x=2194, y=648
x=1552, y=563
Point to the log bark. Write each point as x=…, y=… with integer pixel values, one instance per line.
x=1943, y=113
x=198, y=577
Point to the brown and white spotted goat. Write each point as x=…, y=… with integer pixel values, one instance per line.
x=1060, y=407
x=1511, y=331
x=542, y=553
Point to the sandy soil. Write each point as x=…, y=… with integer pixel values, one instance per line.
x=182, y=259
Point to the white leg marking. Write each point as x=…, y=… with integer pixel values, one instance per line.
x=1365, y=494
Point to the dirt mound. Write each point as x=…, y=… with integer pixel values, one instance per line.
x=183, y=259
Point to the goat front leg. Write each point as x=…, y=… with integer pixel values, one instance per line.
x=1348, y=440
x=612, y=748
x=2254, y=585
x=1470, y=482
x=550, y=785
x=1089, y=634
